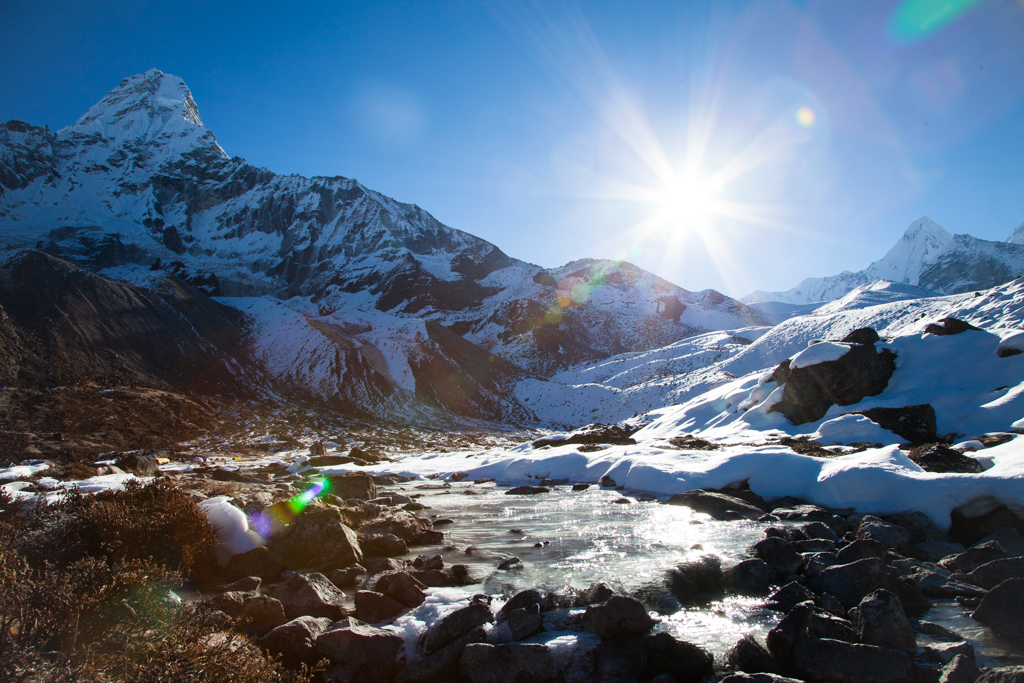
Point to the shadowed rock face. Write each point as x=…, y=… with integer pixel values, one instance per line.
x=811, y=390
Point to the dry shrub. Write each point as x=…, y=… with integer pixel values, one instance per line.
x=157, y=522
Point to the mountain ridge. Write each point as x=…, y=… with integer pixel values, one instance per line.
x=925, y=256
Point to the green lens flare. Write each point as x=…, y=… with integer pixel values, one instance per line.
x=916, y=19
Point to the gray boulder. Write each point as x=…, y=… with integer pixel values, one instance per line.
x=961, y=669
x=684, y=661
x=788, y=597
x=520, y=600
x=260, y=561
x=230, y=602
x=295, y=640
x=820, y=659
x=758, y=678
x=352, y=486
x=516, y=663
x=782, y=639
x=697, y=581
x=1003, y=609
x=751, y=656
x=260, y=614
x=875, y=529
x=374, y=608
x=311, y=595
x=861, y=549
x=524, y=622
x=338, y=548
x=749, y=577
x=826, y=625
x=619, y=616
x=933, y=551
x=991, y=574
x=455, y=625
x=851, y=582
x=359, y=648
x=1003, y=674
x=402, y=587
x=975, y=556
x=779, y=554
x=441, y=665
x=880, y=620
x=720, y=506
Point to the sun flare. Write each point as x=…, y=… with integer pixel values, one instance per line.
x=687, y=202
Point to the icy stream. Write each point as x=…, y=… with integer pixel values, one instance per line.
x=587, y=537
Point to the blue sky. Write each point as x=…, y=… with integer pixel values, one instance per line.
x=733, y=145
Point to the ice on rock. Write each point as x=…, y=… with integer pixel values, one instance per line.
x=822, y=352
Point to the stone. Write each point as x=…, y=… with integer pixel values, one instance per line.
x=719, y=505
x=936, y=585
x=813, y=545
x=875, y=529
x=686, y=662
x=244, y=585
x=594, y=593
x=948, y=326
x=945, y=652
x=354, y=644
x=455, y=625
x=779, y=555
x=139, y=465
x=915, y=423
x=1003, y=609
x=260, y=561
x=435, y=578
x=914, y=602
x=402, y=587
x=960, y=669
x=991, y=574
x=749, y=577
x=619, y=616
x=260, y=614
x=426, y=563
x=295, y=640
x=942, y=459
x=386, y=545
x=851, y=582
x=522, y=599
x=758, y=678
x=231, y=602
x=580, y=487
x=814, y=563
x=298, y=542
x=379, y=565
x=788, y=597
x=441, y=665
x=826, y=625
x=751, y=656
x=697, y=581
x=515, y=663
x=526, y=490
x=783, y=638
x=811, y=390
x=862, y=335
x=1003, y=674
x=510, y=563
x=352, y=486
x=317, y=448
x=880, y=620
x=831, y=604
x=374, y=608
x=861, y=549
x=820, y=531
x=975, y=556
x=821, y=659
x=933, y=551
x=1009, y=539
x=310, y=595
x=803, y=513
x=524, y=622
x=338, y=548
x=607, y=482
x=346, y=578
x=621, y=660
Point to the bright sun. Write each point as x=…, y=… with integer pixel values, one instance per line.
x=689, y=202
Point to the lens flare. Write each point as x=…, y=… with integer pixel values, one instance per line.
x=284, y=513
x=805, y=117
x=917, y=19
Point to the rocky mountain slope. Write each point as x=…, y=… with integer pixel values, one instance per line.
x=349, y=296
x=926, y=256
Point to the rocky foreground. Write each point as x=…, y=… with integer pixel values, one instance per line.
x=850, y=590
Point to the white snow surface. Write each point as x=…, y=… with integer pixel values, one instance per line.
x=233, y=533
x=822, y=352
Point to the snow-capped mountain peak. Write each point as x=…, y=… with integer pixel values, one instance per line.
x=923, y=242
x=926, y=256
x=1017, y=237
x=144, y=106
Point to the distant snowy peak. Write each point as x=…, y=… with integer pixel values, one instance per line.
x=152, y=107
x=926, y=256
x=1017, y=237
